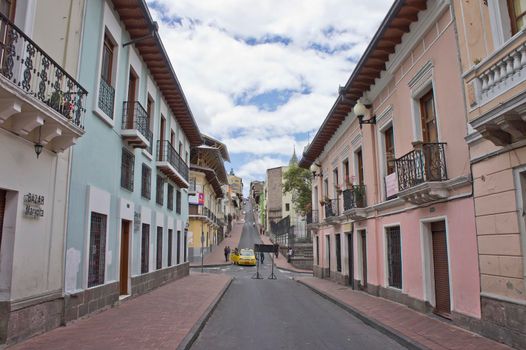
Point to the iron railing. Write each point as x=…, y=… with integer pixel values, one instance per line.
x=135, y=117
x=423, y=164
x=354, y=197
x=312, y=217
x=31, y=69
x=106, y=97
x=166, y=153
x=331, y=208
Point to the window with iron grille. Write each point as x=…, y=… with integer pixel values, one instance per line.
x=178, y=202
x=159, y=256
x=170, y=202
x=145, y=248
x=178, y=261
x=160, y=190
x=338, y=253
x=97, y=249
x=394, y=256
x=127, y=167
x=170, y=243
x=146, y=182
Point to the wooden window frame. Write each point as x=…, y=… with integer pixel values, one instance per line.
x=12, y=10
x=106, y=71
x=389, y=149
x=513, y=17
x=425, y=119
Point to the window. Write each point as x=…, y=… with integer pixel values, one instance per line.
x=97, y=249
x=389, y=151
x=170, y=203
x=326, y=188
x=170, y=244
x=359, y=164
x=178, y=261
x=338, y=253
x=346, y=173
x=149, y=112
x=517, y=10
x=178, y=202
x=287, y=206
x=160, y=190
x=394, y=256
x=146, y=181
x=127, y=166
x=7, y=8
x=192, y=187
x=428, y=118
x=107, y=59
x=172, y=137
x=159, y=256
x=145, y=248
x=335, y=182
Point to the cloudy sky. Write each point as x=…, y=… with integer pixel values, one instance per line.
x=262, y=75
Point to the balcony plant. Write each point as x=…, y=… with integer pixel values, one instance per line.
x=359, y=196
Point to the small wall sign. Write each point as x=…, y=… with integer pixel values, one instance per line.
x=33, y=204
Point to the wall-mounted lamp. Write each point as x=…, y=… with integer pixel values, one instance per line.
x=39, y=146
x=360, y=110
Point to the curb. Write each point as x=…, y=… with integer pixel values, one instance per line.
x=291, y=270
x=382, y=328
x=194, y=332
x=210, y=265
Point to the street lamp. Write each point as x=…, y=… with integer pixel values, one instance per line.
x=360, y=110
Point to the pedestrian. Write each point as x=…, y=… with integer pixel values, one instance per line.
x=227, y=252
x=262, y=257
x=277, y=250
x=289, y=255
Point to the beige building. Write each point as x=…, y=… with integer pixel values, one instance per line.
x=492, y=41
x=208, y=220
x=41, y=117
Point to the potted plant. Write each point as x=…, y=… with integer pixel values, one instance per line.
x=359, y=196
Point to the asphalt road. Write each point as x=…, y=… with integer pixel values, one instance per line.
x=280, y=314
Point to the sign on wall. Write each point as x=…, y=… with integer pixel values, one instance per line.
x=197, y=198
x=391, y=185
x=33, y=204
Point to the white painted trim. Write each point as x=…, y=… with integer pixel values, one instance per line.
x=520, y=187
x=424, y=86
x=426, y=245
x=359, y=256
x=500, y=23
x=380, y=131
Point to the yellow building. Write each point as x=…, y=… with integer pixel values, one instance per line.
x=208, y=176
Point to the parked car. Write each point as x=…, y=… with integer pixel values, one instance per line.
x=247, y=257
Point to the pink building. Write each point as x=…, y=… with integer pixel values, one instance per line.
x=393, y=209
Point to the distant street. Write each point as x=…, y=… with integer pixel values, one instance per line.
x=280, y=314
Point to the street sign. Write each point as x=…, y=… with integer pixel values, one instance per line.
x=266, y=248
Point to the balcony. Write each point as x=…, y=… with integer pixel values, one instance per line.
x=38, y=99
x=312, y=217
x=135, y=125
x=422, y=173
x=331, y=208
x=354, y=202
x=171, y=164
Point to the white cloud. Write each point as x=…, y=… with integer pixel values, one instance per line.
x=207, y=43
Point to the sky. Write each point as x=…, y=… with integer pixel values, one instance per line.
x=261, y=76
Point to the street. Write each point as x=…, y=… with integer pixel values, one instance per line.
x=280, y=314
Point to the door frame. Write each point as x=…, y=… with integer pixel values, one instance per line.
x=125, y=224
x=426, y=248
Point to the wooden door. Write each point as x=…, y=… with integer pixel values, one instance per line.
x=7, y=8
x=360, y=167
x=132, y=85
x=125, y=242
x=364, y=259
x=389, y=151
x=441, y=269
x=428, y=115
x=350, y=255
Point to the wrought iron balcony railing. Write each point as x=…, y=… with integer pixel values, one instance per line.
x=31, y=69
x=135, y=117
x=166, y=153
x=312, y=217
x=331, y=208
x=106, y=97
x=354, y=197
x=423, y=164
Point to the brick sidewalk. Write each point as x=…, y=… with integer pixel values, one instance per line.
x=281, y=262
x=217, y=255
x=160, y=319
x=417, y=328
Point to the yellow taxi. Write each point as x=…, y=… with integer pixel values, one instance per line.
x=234, y=256
x=247, y=257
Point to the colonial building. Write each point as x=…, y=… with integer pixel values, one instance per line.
x=208, y=220
x=128, y=204
x=41, y=117
x=492, y=41
x=392, y=194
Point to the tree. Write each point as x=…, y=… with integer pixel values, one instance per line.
x=298, y=181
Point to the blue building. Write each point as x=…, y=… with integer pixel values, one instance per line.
x=128, y=203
